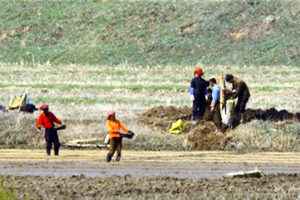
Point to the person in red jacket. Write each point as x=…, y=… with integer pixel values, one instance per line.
x=115, y=129
x=47, y=120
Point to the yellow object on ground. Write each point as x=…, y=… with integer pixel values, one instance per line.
x=17, y=101
x=177, y=127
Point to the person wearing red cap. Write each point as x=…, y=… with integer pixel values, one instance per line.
x=46, y=120
x=115, y=129
x=198, y=88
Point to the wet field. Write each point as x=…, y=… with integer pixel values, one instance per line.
x=128, y=187
x=84, y=174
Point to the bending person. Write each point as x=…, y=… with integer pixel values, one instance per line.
x=240, y=91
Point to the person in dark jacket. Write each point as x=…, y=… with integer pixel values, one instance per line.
x=240, y=91
x=198, y=87
x=46, y=120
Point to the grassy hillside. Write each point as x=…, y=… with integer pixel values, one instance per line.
x=240, y=32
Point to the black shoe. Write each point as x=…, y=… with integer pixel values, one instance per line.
x=118, y=158
x=108, y=158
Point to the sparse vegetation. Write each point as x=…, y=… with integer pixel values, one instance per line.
x=17, y=130
x=81, y=96
x=266, y=136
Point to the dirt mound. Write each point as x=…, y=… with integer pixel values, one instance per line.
x=271, y=114
x=206, y=136
x=201, y=136
x=162, y=117
x=297, y=116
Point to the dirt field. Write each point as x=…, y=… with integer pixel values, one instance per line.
x=193, y=165
x=83, y=174
x=80, y=187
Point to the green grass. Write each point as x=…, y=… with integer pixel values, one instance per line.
x=6, y=194
x=150, y=32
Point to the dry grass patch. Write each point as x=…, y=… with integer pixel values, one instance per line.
x=266, y=136
x=82, y=93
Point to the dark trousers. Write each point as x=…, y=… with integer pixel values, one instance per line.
x=239, y=110
x=216, y=116
x=51, y=137
x=241, y=104
x=199, y=105
x=115, y=145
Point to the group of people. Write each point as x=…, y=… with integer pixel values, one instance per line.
x=116, y=131
x=199, y=90
x=209, y=92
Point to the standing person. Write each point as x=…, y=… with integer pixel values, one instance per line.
x=240, y=91
x=115, y=129
x=215, y=93
x=215, y=102
x=46, y=120
x=198, y=86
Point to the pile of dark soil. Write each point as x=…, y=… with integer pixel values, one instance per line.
x=162, y=117
x=81, y=187
x=206, y=136
x=271, y=114
x=201, y=136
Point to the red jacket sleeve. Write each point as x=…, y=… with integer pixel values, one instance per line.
x=55, y=119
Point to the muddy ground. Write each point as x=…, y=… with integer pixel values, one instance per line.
x=127, y=187
x=181, y=164
x=84, y=174
x=184, y=170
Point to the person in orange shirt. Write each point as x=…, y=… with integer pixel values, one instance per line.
x=115, y=130
x=46, y=120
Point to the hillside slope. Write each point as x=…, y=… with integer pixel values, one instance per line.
x=241, y=32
